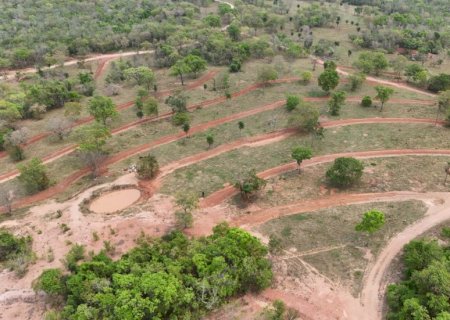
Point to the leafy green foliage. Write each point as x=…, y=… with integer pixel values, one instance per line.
x=147, y=167
x=143, y=76
x=292, y=102
x=16, y=252
x=102, y=108
x=344, y=172
x=11, y=246
x=168, y=278
x=356, y=81
x=383, y=94
x=439, y=83
x=301, y=153
x=425, y=291
x=372, y=62
x=366, y=101
x=372, y=221
x=33, y=176
x=328, y=80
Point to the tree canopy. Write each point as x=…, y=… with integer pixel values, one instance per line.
x=168, y=278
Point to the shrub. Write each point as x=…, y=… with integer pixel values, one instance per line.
x=366, y=101
x=147, y=167
x=292, y=102
x=344, y=172
x=34, y=177
x=180, y=118
x=235, y=65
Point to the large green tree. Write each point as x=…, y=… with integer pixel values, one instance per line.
x=328, y=80
x=102, y=108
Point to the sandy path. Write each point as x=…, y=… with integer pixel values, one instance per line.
x=227, y=192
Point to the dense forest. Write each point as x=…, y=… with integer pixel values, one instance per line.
x=168, y=278
x=425, y=291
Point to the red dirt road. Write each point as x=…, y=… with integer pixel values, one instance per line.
x=227, y=192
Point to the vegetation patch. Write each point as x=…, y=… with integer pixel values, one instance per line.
x=168, y=278
x=15, y=252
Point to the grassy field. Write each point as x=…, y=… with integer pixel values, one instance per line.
x=327, y=240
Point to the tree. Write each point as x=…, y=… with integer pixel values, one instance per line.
x=73, y=110
x=9, y=112
x=241, y=125
x=51, y=282
x=147, y=167
x=336, y=101
x=61, y=127
x=92, y=140
x=266, y=73
x=439, y=83
x=234, y=31
x=102, y=108
x=209, y=140
x=180, y=68
x=177, y=102
x=398, y=64
x=33, y=176
x=14, y=141
x=143, y=76
x=345, y=172
x=188, y=202
x=372, y=221
x=186, y=128
x=383, y=94
x=150, y=106
x=305, y=117
x=356, y=81
x=372, y=62
x=444, y=104
x=447, y=171
x=250, y=184
x=306, y=77
x=7, y=197
x=180, y=118
x=301, y=153
x=195, y=64
x=292, y=102
x=328, y=80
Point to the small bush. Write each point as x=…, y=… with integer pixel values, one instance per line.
x=292, y=102
x=366, y=102
x=235, y=65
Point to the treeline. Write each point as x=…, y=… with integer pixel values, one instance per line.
x=168, y=278
x=424, y=293
x=409, y=24
x=36, y=33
